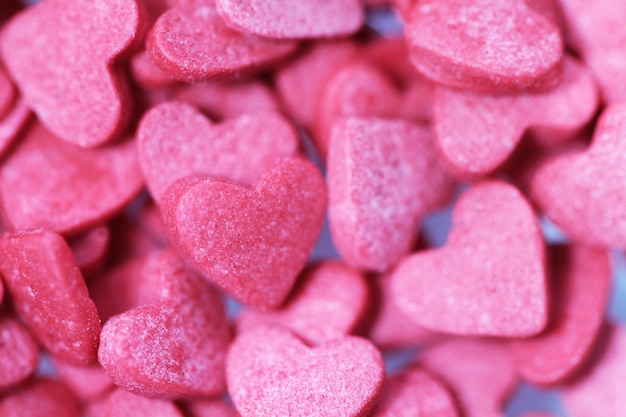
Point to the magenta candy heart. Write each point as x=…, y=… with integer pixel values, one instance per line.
x=490, y=277
x=270, y=371
x=253, y=242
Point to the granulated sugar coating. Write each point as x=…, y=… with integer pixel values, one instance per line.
x=46, y=182
x=489, y=279
x=484, y=45
x=415, y=393
x=271, y=372
x=480, y=373
x=328, y=302
x=49, y=293
x=293, y=19
x=191, y=43
x=584, y=192
x=65, y=73
x=581, y=280
x=384, y=176
x=124, y=404
x=40, y=398
x=253, y=242
x=600, y=391
x=478, y=132
x=175, y=140
x=19, y=353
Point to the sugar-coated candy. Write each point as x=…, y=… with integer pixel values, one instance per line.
x=489, y=279
x=125, y=404
x=19, y=353
x=40, y=398
x=253, y=242
x=270, y=370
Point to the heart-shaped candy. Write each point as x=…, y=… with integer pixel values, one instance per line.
x=191, y=43
x=45, y=182
x=478, y=132
x=581, y=281
x=384, y=176
x=19, y=353
x=490, y=277
x=583, y=192
x=284, y=19
x=220, y=151
x=49, y=293
x=484, y=45
x=328, y=302
x=252, y=242
x=270, y=371
x=66, y=73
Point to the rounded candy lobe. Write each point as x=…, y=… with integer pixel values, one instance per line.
x=40, y=398
x=125, y=404
x=90, y=249
x=285, y=19
x=89, y=383
x=19, y=353
x=489, y=278
x=271, y=370
x=251, y=242
x=66, y=71
x=49, y=293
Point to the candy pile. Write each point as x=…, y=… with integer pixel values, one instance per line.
x=158, y=163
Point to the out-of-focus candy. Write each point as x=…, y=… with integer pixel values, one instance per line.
x=40, y=398
x=19, y=353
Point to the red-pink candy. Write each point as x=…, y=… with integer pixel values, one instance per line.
x=45, y=182
x=66, y=73
x=480, y=373
x=285, y=19
x=251, y=242
x=220, y=151
x=390, y=328
x=90, y=249
x=597, y=32
x=581, y=280
x=191, y=43
x=583, y=192
x=489, y=278
x=300, y=82
x=12, y=124
x=88, y=383
x=147, y=74
x=224, y=101
x=49, y=293
x=484, y=45
x=125, y=404
x=384, y=176
x=328, y=302
x=359, y=88
x=19, y=353
x=209, y=408
x=40, y=398
x=478, y=132
x=272, y=372
x=7, y=94
x=172, y=349
x=600, y=391
x=415, y=393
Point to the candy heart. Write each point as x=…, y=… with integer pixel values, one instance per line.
x=221, y=151
x=125, y=404
x=480, y=373
x=270, y=371
x=484, y=45
x=489, y=279
x=581, y=281
x=478, y=132
x=384, y=176
x=252, y=242
x=583, y=192
x=45, y=182
x=599, y=391
x=39, y=398
x=66, y=73
x=174, y=348
x=49, y=293
x=415, y=393
x=19, y=353
x=327, y=303
x=191, y=43
x=284, y=19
